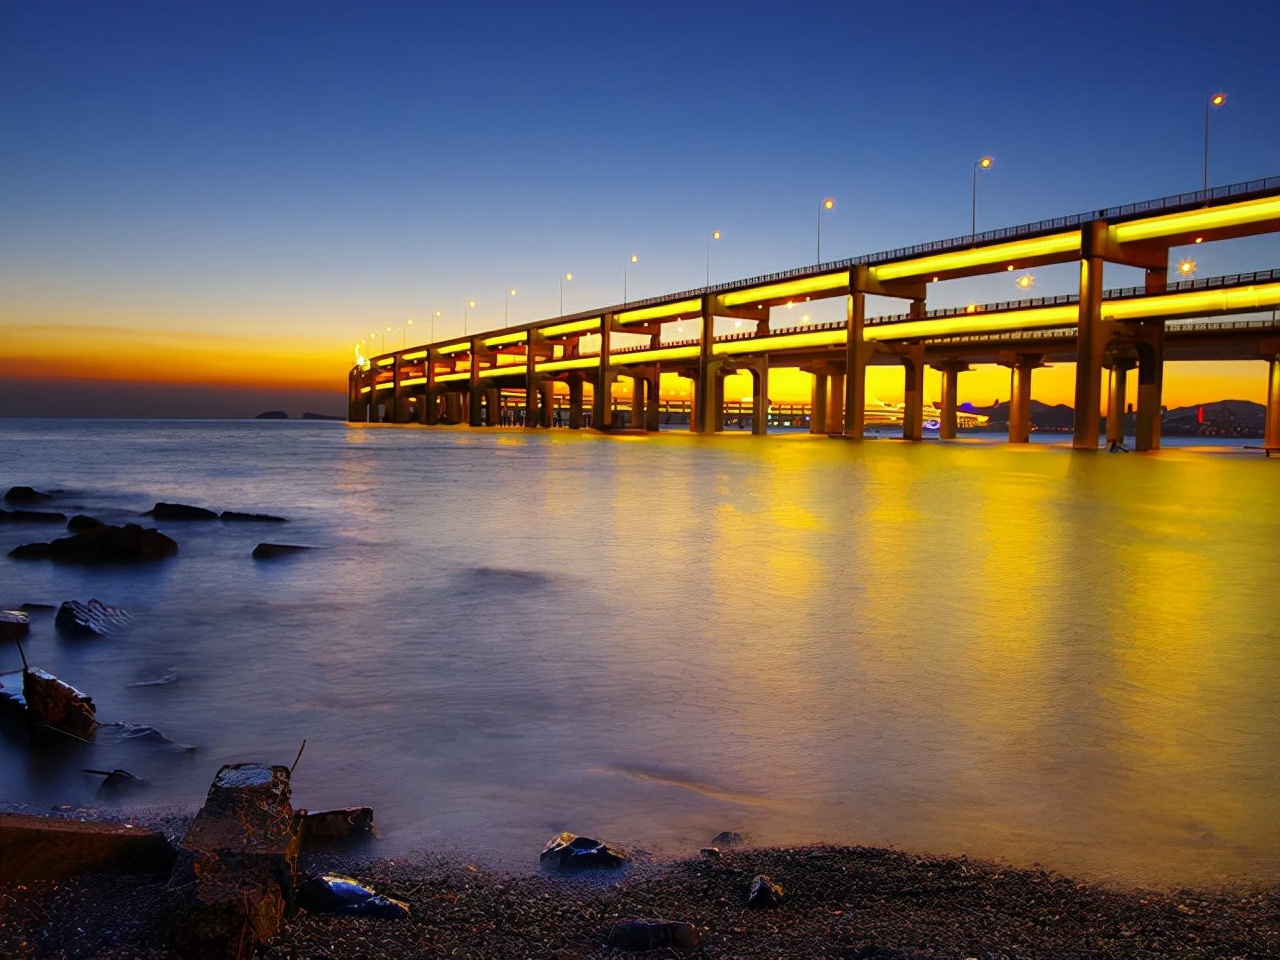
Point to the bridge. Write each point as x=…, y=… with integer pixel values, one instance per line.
x=464, y=380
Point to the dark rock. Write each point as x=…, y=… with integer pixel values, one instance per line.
x=25, y=495
x=128, y=544
x=14, y=625
x=38, y=607
x=252, y=517
x=569, y=852
x=325, y=828
x=272, y=415
x=35, y=849
x=31, y=516
x=179, y=511
x=320, y=416
x=637, y=936
x=711, y=853
x=727, y=838
x=81, y=522
x=764, y=893
x=269, y=551
x=115, y=781
x=59, y=705
x=334, y=893
x=93, y=617
x=143, y=733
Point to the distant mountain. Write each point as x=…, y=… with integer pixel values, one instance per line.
x=1222, y=418
x=1043, y=416
x=320, y=416
x=272, y=415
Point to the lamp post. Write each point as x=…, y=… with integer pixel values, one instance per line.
x=563, y=279
x=374, y=333
x=983, y=164
x=625, y=265
x=434, y=314
x=827, y=204
x=505, y=301
x=715, y=235
x=1214, y=102
x=404, y=333
x=466, y=315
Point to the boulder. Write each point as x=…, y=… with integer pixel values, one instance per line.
x=727, y=838
x=569, y=852
x=325, y=828
x=269, y=551
x=239, y=517
x=106, y=544
x=637, y=936
x=81, y=522
x=334, y=893
x=94, y=617
x=35, y=849
x=179, y=511
x=25, y=495
x=14, y=625
x=237, y=864
x=115, y=782
x=59, y=705
x=32, y=516
x=764, y=892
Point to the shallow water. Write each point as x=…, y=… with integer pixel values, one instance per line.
x=1009, y=652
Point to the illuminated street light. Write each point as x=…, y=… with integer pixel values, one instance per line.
x=470, y=305
x=506, y=300
x=1186, y=267
x=626, y=264
x=384, y=338
x=715, y=235
x=1217, y=100
x=567, y=277
x=983, y=164
x=434, y=315
x=1025, y=282
x=827, y=204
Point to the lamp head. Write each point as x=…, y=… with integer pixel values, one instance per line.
x=1218, y=99
x=568, y=276
x=829, y=203
x=716, y=235
x=985, y=163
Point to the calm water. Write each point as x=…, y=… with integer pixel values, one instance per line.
x=1016, y=653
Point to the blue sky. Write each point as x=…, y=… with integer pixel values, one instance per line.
x=320, y=169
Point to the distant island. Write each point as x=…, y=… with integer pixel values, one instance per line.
x=1218, y=418
x=281, y=415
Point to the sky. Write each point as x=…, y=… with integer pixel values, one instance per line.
x=203, y=206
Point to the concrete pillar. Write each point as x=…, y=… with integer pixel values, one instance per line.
x=395, y=401
x=431, y=408
x=1020, y=399
x=474, y=413
x=706, y=411
x=492, y=406
x=1271, y=431
x=653, y=406
x=601, y=398
x=951, y=371
x=836, y=392
x=453, y=406
x=1151, y=372
x=637, y=402
x=546, y=416
x=1091, y=339
x=1118, y=374
x=760, y=398
x=818, y=404
x=575, y=403
x=853, y=412
x=913, y=391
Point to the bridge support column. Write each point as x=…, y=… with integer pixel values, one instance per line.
x=853, y=413
x=836, y=411
x=653, y=401
x=1092, y=335
x=913, y=391
x=760, y=397
x=1151, y=371
x=575, y=403
x=602, y=393
x=818, y=404
x=636, y=421
x=547, y=397
x=453, y=406
x=431, y=401
x=951, y=370
x=1271, y=429
x=492, y=405
x=1118, y=375
x=1020, y=396
x=708, y=401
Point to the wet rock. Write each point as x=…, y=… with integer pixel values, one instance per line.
x=251, y=517
x=637, y=936
x=334, y=893
x=116, y=781
x=31, y=516
x=94, y=617
x=59, y=705
x=82, y=522
x=237, y=864
x=163, y=681
x=569, y=852
x=14, y=625
x=143, y=733
x=179, y=511
x=325, y=828
x=711, y=853
x=37, y=849
x=727, y=838
x=101, y=545
x=38, y=607
x=764, y=893
x=25, y=495
x=269, y=551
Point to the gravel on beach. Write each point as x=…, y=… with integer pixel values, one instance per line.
x=839, y=902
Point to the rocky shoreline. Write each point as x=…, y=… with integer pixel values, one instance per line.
x=839, y=902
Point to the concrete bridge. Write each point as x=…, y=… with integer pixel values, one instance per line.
x=463, y=380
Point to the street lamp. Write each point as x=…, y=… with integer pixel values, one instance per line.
x=827, y=204
x=404, y=332
x=470, y=304
x=715, y=235
x=506, y=300
x=983, y=164
x=384, y=338
x=1187, y=267
x=434, y=314
x=626, y=264
x=1217, y=100
x=1025, y=282
x=563, y=279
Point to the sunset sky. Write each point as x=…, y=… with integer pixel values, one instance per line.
x=203, y=206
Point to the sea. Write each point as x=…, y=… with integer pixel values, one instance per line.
x=1009, y=652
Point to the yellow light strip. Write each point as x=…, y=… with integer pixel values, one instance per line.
x=1194, y=221
x=417, y=355
x=661, y=311
x=451, y=377
x=979, y=257
x=828, y=283
x=386, y=361
x=577, y=363
x=1034, y=319
x=1195, y=301
x=384, y=386
x=413, y=381
x=653, y=356
x=505, y=339
x=786, y=341
x=365, y=389
x=504, y=370
x=453, y=348
x=577, y=326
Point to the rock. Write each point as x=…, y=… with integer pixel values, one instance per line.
x=14, y=625
x=115, y=781
x=143, y=733
x=35, y=849
x=31, y=516
x=334, y=893
x=764, y=892
x=272, y=415
x=569, y=852
x=319, y=416
x=93, y=617
x=163, y=681
x=12, y=702
x=329, y=827
x=637, y=936
x=237, y=864
x=81, y=522
x=179, y=511
x=59, y=705
x=106, y=544
x=38, y=607
x=251, y=517
x=269, y=551
x=711, y=853
x=726, y=838
x=25, y=495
